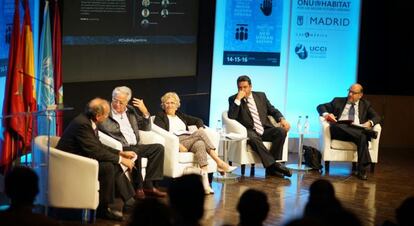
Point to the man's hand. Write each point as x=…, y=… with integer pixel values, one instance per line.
x=128, y=163
x=139, y=103
x=128, y=154
x=240, y=95
x=367, y=124
x=284, y=124
x=182, y=148
x=330, y=117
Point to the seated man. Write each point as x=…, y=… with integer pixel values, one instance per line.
x=361, y=113
x=123, y=124
x=251, y=110
x=81, y=137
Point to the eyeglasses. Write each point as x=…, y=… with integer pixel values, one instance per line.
x=353, y=92
x=115, y=101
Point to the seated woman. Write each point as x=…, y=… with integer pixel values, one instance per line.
x=197, y=142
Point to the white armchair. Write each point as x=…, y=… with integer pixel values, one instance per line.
x=175, y=162
x=344, y=151
x=240, y=152
x=71, y=180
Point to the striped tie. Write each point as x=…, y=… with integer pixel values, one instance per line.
x=255, y=115
x=351, y=113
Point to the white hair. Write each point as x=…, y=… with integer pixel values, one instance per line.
x=122, y=90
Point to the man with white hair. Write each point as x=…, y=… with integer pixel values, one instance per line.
x=123, y=124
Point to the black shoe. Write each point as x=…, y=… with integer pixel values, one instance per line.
x=128, y=206
x=371, y=133
x=362, y=173
x=283, y=169
x=270, y=171
x=108, y=214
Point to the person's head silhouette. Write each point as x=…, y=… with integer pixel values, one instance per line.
x=187, y=199
x=21, y=186
x=253, y=207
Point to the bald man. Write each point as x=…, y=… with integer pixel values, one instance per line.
x=80, y=137
x=360, y=111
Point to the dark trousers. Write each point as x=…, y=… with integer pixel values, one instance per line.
x=276, y=135
x=111, y=181
x=155, y=166
x=355, y=135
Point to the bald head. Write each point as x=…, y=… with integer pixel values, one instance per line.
x=355, y=92
x=97, y=109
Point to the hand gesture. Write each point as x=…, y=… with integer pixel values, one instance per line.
x=139, y=103
x=183, y=148
x=240, y=95
x=128, y=154
x=128, y=163
x=284, y=124
x=266, y=7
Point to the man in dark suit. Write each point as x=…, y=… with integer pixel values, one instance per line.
x=361, y=113
x=123, y=124
x=81, y=137
x=251, y=109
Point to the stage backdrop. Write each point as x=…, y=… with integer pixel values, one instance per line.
x=301, y=53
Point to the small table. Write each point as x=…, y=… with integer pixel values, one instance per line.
x=299, y=165
x=226, y=143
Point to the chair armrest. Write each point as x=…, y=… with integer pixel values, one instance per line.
x=171, y=147
x=150, y=137
x=213, y=135
x=233, y=126
x=66, y=172
x=375, y=142
x=109, y=141
x=325, y=134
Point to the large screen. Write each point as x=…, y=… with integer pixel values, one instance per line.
x=112, y=40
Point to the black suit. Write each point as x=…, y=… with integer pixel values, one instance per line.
x=79, y=138
x=351, y=133
x=276, y=135
x=153, y=152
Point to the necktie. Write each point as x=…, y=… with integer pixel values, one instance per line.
x=257, y=124
x=351, y=113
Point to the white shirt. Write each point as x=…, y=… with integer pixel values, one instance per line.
x=176, y=124
x=344, y=115
x=125, y=127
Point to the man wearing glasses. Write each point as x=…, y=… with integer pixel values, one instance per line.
x=360, y=112
x=123, y=124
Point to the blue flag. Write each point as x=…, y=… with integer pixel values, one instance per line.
x=45, y=88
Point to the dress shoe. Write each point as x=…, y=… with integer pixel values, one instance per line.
x=154, y=192
x=371, y=133
x=270, y=171
x=139, y=194
x=362, y=174
x=109, y=214
x=283, y=169
x=223, y=170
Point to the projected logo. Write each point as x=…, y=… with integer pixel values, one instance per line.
x=301, y=51
x=242, y=32
x=299, y=21
x=311, y=34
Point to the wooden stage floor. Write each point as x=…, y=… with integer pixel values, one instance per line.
x=373, y=201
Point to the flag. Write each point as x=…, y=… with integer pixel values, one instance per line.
x=57, y=63
x=28, y=75
x=45, y=88
x=13, y=106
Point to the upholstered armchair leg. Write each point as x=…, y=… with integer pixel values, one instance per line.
x=210, y=178
x=88, y=216
x=327, y=166
x=230, y=163
x=252, y=170
x=354, y=166
x=243, y=169
x=372, y=167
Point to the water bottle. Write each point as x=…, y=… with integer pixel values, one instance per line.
x=219, y=128
x=306, y=125
x=299, y=125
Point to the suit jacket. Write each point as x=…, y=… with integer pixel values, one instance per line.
x=337, y=105
x=111, y=127
x=161, y=120
x=242, y=113
x=79, y=138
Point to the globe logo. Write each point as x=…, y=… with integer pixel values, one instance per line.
x=301, y=51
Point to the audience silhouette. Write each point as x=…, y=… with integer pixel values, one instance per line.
x=253, y=208
x=22, y=186
x=403, y=214
x=187, y=200
x=150, y=211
